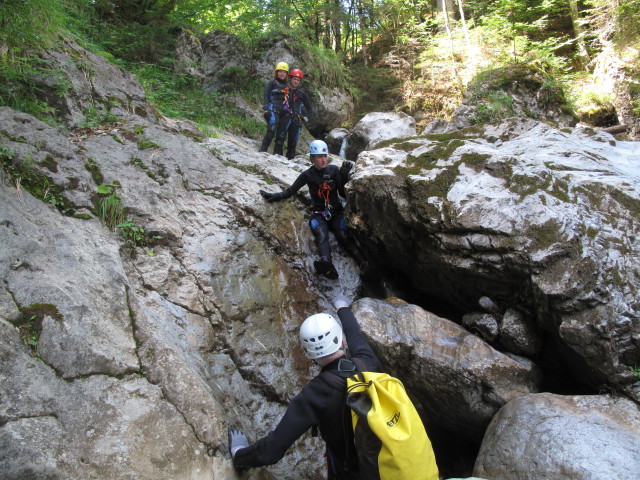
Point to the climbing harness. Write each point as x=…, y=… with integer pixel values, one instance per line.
x=285, y=103
x=323, y=192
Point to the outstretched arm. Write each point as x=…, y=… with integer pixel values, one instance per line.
x=299, y=417
x=357, y=343
x=295, y=186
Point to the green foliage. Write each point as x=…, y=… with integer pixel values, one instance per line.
x=498, y=106
x=31, y=23
x=17, y=89
x=181, y=96
x=113, y=215
x=110, y=210
x=132, y=233
x=635, y=371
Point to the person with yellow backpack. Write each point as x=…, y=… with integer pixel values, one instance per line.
x=350, y=404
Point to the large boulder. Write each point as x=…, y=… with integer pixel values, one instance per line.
x=458, y=379
x=376, y=127
x=540, y=220
x=568, y=437
x=331, y=107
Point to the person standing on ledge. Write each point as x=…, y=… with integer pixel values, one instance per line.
x=294, y=100
x=272, y=103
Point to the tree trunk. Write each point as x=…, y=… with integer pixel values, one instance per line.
x=454, y=70
x=336, y=23
x=445, y=6
x=583, y=55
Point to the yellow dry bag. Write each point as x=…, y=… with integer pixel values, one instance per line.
x=390, y=438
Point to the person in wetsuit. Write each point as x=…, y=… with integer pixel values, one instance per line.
x=272, y=102
x=324, y=182
x=293, y=115
x=320, y=404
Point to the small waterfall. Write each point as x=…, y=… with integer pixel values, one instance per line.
x=343, y=147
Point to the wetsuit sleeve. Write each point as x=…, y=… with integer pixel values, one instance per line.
x=300, y=182
x=358, y=345
x=307, y=104
x=299, y=417
x=266, y=100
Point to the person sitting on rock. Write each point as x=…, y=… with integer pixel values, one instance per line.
x=324, y=182
x=272, y=104
x=319, y=404
x=292, y=118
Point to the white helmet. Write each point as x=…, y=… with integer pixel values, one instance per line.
x=318, y=147
x=320, y=335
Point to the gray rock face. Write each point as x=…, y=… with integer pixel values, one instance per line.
x=80, y=84
x=220, y=51
x=376, y=127
x=551, y=436
x=188, y=54
x=460, y=380
x=540, y=220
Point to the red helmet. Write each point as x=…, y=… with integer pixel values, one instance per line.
x=296, y=72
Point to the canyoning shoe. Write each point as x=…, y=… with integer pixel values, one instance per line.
x=324, y=267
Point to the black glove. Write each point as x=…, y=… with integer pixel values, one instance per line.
x=237, y=440
x=270, y=197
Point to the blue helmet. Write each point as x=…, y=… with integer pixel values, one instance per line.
x=318, y=147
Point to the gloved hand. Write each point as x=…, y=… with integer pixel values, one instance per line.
x=270, y=197
x=237, y=440
x=305, y=119
x=340, y=301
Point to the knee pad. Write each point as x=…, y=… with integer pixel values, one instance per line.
x=319, y=229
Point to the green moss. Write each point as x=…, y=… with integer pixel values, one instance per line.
x=525, y=185
x=545, y=235
x=143, y=144
x=29, y=323
x=476, y=161
x=117, y=139
x=560, y=190
x=427, y=160
x=630, y=203
x=195, y=136
x=94, y=169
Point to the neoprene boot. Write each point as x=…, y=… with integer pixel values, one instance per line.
x=324, y=267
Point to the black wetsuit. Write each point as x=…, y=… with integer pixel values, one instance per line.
x=272, y=105
x=321, y=218
x=290, y=122
x=321, y=405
